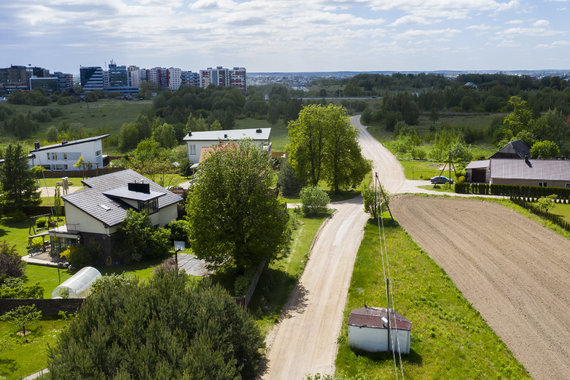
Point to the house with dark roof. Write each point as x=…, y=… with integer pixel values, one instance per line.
x=369, y=329
x=94, y=214
x=504, y=171
x=514, y=149
x=64, y=155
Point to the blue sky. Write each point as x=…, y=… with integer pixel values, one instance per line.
x=288, y=35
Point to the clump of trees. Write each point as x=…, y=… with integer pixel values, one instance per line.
x=170, y=327
x=314, y=201
x=324, y=146
x=235, y=217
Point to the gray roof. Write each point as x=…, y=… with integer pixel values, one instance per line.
x=230, y=134
x=549, y=170
x=369, y=316
x=481, y=164
x=94, y=203
x=115, y=180
x=74, y=142
x=124, y=192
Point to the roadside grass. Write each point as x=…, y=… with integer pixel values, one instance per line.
x=441, y=188
x=279, y=134
x=334, y=197
x=421, y=169
x=21, y=359
x=281, y=276
x=449, y=338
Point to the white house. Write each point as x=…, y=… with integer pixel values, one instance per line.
x=64, y=155
x=368, y=330
x=94, y=214
x=195, y=141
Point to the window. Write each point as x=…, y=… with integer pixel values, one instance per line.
x=543, y=184
x=192, y=149
x=149, y=206
x=65, y=155
x=568, y=185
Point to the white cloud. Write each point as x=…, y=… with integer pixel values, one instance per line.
x=480, y=27
x=541, y=23
x=514, y=22
x=553, y=45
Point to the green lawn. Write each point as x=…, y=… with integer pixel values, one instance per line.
x=47, y=277
x=277, y=282
x=421, y=169
x=561, y=209
x=21, y=359
x=449, y=340
x=15, y=233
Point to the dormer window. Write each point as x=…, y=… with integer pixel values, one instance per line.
x=150, y=206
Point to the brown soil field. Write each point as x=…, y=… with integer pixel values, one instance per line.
x=513, y=270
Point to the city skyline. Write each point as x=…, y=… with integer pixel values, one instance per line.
x=288, y=36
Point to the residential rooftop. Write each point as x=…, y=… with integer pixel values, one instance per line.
x=68, y=143
x=229, y=134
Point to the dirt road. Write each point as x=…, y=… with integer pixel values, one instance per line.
x=304, y=341
x=514, y=271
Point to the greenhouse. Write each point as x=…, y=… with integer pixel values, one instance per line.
x=78, y=285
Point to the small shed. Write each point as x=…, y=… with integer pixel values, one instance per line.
x=368, y=330
x=78, y=285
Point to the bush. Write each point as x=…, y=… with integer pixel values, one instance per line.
x=168, y=328
x=37, y=243
x=41, y=222
x=15, y=288
x=179, y=230
x=314, y=200
x=11, y=265
x=82, y=255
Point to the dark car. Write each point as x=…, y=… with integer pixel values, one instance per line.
x=440, y=180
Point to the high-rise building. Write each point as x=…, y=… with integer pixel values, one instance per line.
x=190, y=78
x=158, y=76
x=221, y=76
x=45, y=83
x=91, y=78
x=118, y=75
x=174, y=78
x=15, y=78
x=64, y=81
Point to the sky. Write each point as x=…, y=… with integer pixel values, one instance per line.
x=287, y=35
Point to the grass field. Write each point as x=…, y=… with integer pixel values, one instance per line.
x=21, y=359
x=562, y=210
x=279, y=279
x=422, y=169
x=449, y=337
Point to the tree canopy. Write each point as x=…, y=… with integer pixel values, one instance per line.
x=235, y=217
x=168, y=328
x=18, y=183
x=324, y=145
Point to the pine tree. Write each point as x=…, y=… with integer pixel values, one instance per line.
x=18, y=183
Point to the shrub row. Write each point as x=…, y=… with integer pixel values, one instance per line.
x=530, y=193
x=556, y=219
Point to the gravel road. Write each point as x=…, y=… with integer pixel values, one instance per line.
x=513, y=270
x=304, y=341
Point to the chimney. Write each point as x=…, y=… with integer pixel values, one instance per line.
x=225, y=135
x=258, y=130
x=527, y=161
x=190, y=133
x=139, y=187
x=64, y=142
x=36, y=145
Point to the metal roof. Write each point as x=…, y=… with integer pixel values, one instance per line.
x=74, y=142
x=94, y=203
x=124, y=192
x=481, y=164
x=372, y=317
x=548, y=170
x=115, y=180
x=230, y=134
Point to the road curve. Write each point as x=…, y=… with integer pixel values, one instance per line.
x=304, y=340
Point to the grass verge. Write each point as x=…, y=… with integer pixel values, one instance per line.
x=279, y=279
x=450, y=339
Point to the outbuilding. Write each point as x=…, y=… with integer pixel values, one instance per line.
x=368, y=330
x=78, y=285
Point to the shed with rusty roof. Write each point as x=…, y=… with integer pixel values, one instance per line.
x=368, y=330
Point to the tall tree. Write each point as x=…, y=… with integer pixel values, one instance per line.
x=324, y=145
x=521, y=117
x=235, y=218
x=18, y=183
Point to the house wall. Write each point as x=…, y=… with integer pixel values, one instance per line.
x=195, y=158
x=63, y=157
x=164, y=216
x=515, y=181
x=376, y=339
x=77, y=220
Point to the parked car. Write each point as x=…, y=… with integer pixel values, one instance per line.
x=440, y=180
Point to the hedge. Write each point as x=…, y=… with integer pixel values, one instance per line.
x=556, y=219
x=528, y=193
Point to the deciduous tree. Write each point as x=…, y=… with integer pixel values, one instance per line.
x=235, y=217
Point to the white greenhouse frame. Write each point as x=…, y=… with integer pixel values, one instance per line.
x=78, y=285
